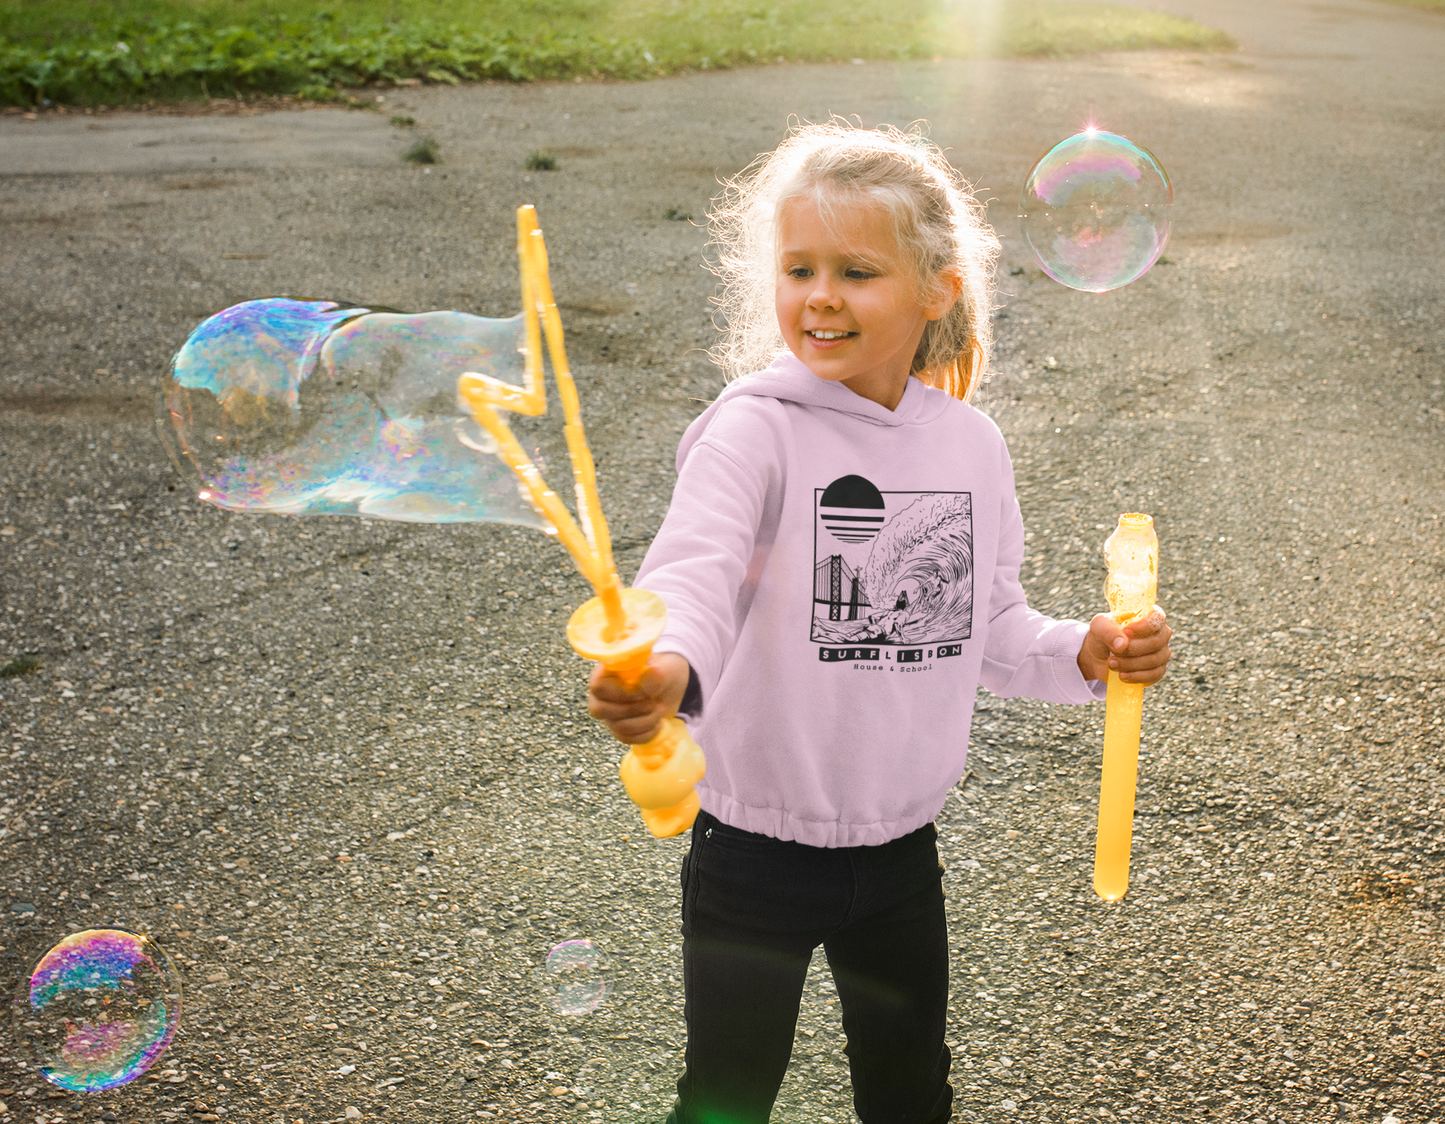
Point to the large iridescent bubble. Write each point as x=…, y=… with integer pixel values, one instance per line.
x=99, y=1009
x=320, y=407
x=1095, y=210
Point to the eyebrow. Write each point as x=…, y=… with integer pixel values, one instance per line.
x=851, y=260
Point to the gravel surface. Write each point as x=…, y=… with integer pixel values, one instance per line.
x=342, y=770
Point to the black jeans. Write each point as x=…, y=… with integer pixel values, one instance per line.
x=753, y=910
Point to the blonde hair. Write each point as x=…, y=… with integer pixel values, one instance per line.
x=938, y=225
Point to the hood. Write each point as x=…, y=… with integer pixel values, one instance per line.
x=788, y=380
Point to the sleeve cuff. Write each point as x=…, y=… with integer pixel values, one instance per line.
x=691, y=705
x=692, y=700
x=1076, y=687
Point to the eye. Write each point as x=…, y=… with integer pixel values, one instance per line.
x=799, y=272
x=859, y=273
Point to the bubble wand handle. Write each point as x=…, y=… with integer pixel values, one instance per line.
x=619, y=626
x=1132, y=555
x=660, y=774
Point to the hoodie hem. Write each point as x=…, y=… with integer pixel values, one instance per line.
x=782, y=824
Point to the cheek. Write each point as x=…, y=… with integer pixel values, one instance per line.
x=786, y=306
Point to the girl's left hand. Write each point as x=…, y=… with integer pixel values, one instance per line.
x=1138, y=651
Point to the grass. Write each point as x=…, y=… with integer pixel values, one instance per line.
x=116, y=51
x=425, y=151
x=540, y=160
x=20, y=665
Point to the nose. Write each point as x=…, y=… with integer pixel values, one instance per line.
x=824, y=296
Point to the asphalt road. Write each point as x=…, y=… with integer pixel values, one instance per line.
x=342, y=770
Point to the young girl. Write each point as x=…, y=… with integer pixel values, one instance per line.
x=840, y=565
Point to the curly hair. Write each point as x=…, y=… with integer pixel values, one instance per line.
x=938, y=224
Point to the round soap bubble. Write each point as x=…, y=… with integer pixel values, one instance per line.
x=1095, y=210
x=576, y=977
x=99, y=1009
x=319, y=407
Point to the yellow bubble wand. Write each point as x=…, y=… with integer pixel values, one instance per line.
x=618, y=626
x=1132, y=555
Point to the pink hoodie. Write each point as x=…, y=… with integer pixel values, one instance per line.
x=841, y=579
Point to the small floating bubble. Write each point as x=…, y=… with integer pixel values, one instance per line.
x=576, y=977
x=98, y=1010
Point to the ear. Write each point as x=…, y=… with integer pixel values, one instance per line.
x=950, y=285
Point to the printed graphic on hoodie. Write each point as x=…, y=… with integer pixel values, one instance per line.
x=891, y=567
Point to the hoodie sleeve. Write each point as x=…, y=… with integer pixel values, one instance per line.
x=1025, y=652
x=710, y=552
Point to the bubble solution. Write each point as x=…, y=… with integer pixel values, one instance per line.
x=576, y=979
x=99, y=1009
x=1095, y=210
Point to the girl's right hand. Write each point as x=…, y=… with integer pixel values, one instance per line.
x=634, y=715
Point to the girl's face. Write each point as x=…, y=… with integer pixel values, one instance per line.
x=848, y=307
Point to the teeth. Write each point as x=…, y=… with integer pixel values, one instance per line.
x=828, y=335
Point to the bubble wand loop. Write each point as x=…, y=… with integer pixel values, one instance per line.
x=619, y=626
x=1132, y=555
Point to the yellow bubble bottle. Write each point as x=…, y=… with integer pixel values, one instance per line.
x=659, y=775
x=1132, y=555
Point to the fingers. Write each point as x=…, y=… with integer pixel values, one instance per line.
x=632, y=718
x=633, y=714
x=1145, y=656
x=639, y=729
x=1138, y=651
x=1146, y=669
x=1142, y=645
x=653, y=683
x=610, y=700
x=1147, y=625
x=603, y=685
x=614, y=710
x=1105, y=630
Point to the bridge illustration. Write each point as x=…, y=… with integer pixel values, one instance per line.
x=837, y=585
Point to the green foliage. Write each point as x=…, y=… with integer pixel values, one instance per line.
x=425, y=151
x=89, y=52
x=20, y=665
x=54, y=22
x=1060, y=28
x=402, y=121
x=540, y=160
x=136, y=61
x=718, y=34
x=1063, y=27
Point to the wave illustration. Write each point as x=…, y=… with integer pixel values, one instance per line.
x=918, y=577
x=920, y=570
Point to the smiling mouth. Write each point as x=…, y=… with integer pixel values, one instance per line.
x=827, y=334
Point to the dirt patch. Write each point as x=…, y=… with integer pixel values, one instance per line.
x=45, y=402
